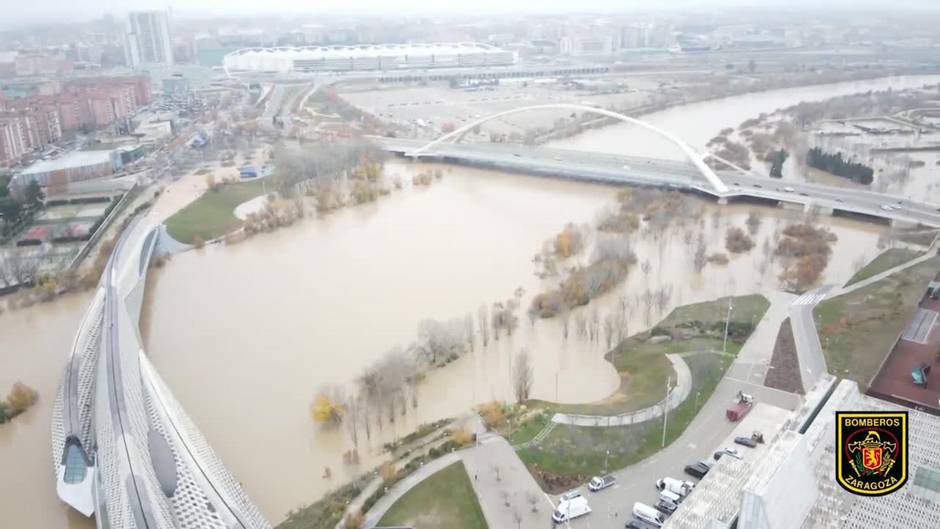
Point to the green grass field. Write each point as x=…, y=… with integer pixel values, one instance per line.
x=888, y=259
x=212, y=215
x=643, y=366
x=446, y=499
x=575, y=453
x=858, y=329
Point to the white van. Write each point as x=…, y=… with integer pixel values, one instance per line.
x=648, y=514
x=677, y=486
x=669, y=495
x=571, y=509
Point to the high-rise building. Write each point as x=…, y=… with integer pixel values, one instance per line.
x=148, y=39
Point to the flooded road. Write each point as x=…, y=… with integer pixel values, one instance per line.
x=246, y=334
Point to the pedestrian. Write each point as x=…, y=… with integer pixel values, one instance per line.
x=474, y=476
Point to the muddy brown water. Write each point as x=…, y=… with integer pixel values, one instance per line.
x=245, y=334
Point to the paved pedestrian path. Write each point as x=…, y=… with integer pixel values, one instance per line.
x=507, y=492
x=385, y=502
x=930, y=252
x=677, y=396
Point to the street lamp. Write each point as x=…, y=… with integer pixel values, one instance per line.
x=724, y=345
x=666, y=409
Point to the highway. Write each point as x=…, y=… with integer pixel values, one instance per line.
x=675, y=174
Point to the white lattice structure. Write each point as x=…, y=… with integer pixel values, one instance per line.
x=122, y=446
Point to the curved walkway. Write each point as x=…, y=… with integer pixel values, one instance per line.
x=385, y=502
x=677, y=396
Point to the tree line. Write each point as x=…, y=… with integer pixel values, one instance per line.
x=387, y=388
x=835, y=164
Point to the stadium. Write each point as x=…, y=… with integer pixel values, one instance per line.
x=365, y=57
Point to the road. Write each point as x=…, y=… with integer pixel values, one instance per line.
x=611, y=168
x=806, y=338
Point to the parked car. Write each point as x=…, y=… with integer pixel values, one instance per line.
x=788, y=189
x=570, y=495
x=699, y=469
x=745, y=441
x=727, y=451
x=571, y=509
x=636, y=523
x=669, y=495
x=666, y=507
x=648, y=514
x=677, y=486
x=742, y=404
x=601, y=482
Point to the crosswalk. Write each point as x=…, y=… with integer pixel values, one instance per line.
x=813, y=297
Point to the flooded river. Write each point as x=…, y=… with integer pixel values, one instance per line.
x=246, y=334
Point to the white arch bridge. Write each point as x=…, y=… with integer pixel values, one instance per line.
x=732, y=183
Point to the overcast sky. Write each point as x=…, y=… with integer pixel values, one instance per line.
x=30, y=11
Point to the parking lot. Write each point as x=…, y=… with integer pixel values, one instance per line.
x=612, y=507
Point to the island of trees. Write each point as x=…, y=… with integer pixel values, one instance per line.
x=835, y=164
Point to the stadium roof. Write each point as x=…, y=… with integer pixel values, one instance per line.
x=370, y=50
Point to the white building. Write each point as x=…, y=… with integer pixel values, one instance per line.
x=148, y=39
x=366, y=57
x=792, y=484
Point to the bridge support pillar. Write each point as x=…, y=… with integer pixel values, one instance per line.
x=898, y=223
x=816, y=209
x=722, y=201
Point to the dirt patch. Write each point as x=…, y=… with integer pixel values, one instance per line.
x=557, y=483
x=784, y=370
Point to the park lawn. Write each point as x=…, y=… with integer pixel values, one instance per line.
x=885, y=260
x=750, y=308
x=643, y=366
x=529, y=427
x=571, y=455
x=858, y=329
x=212, y=215
x=445, y=499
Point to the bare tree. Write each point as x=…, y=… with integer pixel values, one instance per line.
x=522, y=376
x=753, y=222
x=565, y=314
x=610, y=326
x=353, y=418
x=700, y=257
x=438, y=341
x=468, y=330
x=483, y=324
x=648, y=300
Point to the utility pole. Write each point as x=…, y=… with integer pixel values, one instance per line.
x=556, y=386
x=724, y=345
x=666, y=411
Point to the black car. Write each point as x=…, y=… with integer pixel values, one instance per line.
x=697, y=470
x=639, y=524
x=745, y=441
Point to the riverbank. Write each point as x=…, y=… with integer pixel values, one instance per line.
x=249, y=332
x=569, y=455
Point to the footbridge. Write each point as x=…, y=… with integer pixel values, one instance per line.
x=731, y=183
x=123, y=449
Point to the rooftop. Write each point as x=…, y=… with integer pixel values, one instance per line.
x=66, y=161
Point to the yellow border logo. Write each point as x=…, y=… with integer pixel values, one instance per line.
x=871, y=451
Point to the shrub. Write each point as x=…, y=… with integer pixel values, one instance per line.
x=736, y=241
x=21, y=398
x=461, y=437
x=492, y=415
